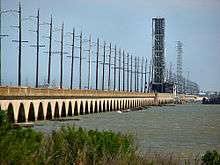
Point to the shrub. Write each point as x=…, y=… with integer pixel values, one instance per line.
x=211, y=158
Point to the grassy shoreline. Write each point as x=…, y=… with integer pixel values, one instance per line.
x=75, y=145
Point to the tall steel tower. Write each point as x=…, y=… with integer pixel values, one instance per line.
x=158, y=57
x=179, y=65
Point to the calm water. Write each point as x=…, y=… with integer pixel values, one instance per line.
x=186, y=130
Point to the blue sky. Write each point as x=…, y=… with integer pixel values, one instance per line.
x=125, y=23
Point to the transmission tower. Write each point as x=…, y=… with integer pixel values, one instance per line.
x=158, y=58
x=179, y=65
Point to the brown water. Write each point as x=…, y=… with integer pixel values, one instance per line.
x=186, y=130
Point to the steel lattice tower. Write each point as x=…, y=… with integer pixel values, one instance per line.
x=158, y=57
x=179, y=65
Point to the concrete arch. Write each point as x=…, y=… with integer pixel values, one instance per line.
x=63, y=110
x=81, y=109
x=70, y=112
x=96, y=107
x=21, y=114
x=76, y=113
x=56, y=110
x=86, y=108
x=49, y=111
x=10, y=113
x=91, y=107
x=40, y=114
x=31, y=112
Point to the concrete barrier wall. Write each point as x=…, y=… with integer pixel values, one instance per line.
x=22, y=91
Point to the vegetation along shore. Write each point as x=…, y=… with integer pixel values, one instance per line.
x=72, y=145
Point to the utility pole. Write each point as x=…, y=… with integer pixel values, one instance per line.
x=19, y=54
x=115, y=68
x=145, y=75
x=131, y=74
x=1, y=36
x=127, y=72
x=171, y=73
x=0, y=43
x=37, y=46
x=103, y=67
x=61, y=58
x=109, y=66
x=80, y=62
x=142, y=73
x=119, y=71
x=38, y=24
x=20, y=43
x=123, y=70
x=72, y=59
x=138, y=74
x=49, y=52
x=187, y=82
x=150, y=76
x=97, y=64
x=89, y=67
x=135, y=74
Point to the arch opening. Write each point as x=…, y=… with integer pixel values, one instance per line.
x=70, y=112
x=76, y=109
x=31, y=113
x=40, y=115
x=110, y=108
x=10, y=113
x=100, y=106
x=96, y=107
x=63, y=110
x=104, y=106
x=86, y=108
x=21, y=114
x=81, y=108
x=91, y=107
x=117, y=105
x=56, y=111
x=49, y=112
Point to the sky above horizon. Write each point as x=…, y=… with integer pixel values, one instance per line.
x=125, y=23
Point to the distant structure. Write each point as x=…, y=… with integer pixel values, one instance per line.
x=179, y=67
x=158, y=57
